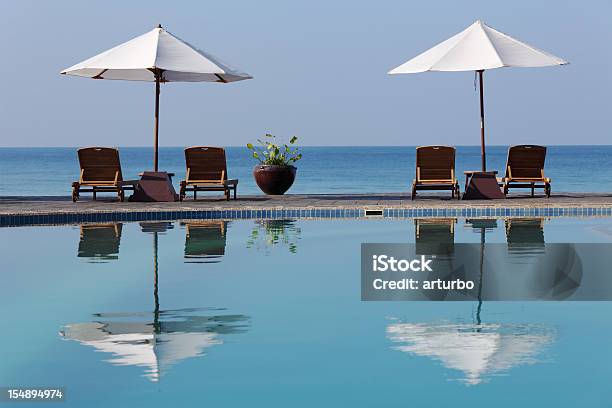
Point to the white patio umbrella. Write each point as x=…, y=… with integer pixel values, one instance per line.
x=477, y=48
x=156, y=56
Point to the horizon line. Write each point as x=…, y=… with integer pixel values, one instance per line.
x=299, y=146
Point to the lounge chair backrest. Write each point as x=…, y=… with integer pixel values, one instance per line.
x=526, y=161
x=99, y=164
x=435, y=163
x=205, y=164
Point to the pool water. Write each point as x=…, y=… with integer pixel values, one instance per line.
x=268, y=313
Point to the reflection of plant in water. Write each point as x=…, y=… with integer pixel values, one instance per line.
x=269, y=233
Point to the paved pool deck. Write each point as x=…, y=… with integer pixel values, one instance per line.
x=61, y=210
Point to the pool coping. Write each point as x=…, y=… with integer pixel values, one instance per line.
x=23, y=211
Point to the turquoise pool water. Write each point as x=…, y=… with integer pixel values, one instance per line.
x=268, y=313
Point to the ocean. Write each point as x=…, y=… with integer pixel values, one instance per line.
x=50, y=171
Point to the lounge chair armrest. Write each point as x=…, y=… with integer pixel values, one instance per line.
x=124, y=183
x=231, y=182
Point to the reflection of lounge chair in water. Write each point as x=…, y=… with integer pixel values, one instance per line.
x=525, y=231
x=434, y=235
x=205, y=241
x=100, y=242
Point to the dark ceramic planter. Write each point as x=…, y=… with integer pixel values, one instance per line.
x=274, y=180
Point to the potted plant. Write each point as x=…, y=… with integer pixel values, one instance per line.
x=275, y=172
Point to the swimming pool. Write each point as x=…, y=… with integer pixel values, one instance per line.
x=254, y=312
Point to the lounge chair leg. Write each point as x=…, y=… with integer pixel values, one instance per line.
x=227, y=194
x=121, y=195
x=532, y=192
x=235, y=192
x=94, y=193
x=194, y=193
x=182, y=191
x=414, y=193
x=75, y=193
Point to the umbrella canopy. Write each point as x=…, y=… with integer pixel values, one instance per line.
x=156, y=56
x=477, y=48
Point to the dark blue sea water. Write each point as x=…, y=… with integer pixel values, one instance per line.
x=50, y=171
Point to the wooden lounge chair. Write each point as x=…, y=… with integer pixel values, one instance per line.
x=525, y=169
x=100, y=172
x=435, y=170
x=206, y=171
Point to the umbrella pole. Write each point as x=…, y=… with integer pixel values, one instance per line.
x=155, y=154
x=482, y=249
x=155, y=284
x=482, y=123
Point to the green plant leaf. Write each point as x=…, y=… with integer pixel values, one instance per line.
x=272, y=153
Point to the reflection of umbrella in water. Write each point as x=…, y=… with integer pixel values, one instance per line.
x=477, y=350
x=205, y=241
x=483, y=225
x=155, y=340
x=174, y=335
x=100, y=242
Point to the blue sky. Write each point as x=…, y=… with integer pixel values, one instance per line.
x=320, y=73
